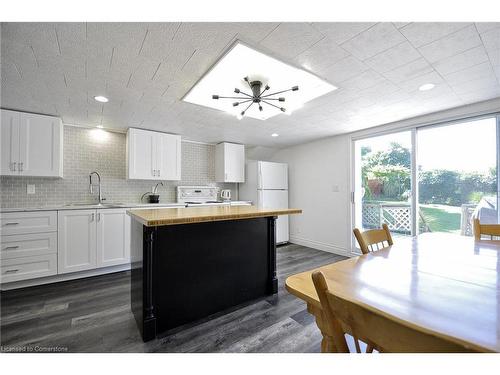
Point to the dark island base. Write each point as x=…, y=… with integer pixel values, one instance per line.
x=191, y=271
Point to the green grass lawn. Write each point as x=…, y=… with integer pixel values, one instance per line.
x=441, y=218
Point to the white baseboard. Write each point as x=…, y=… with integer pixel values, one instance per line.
x=320, y=246
x=64, y=277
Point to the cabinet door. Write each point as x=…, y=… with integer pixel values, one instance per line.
x=169, y=157
x=76, y=240
x=40, y=146
x=234, y=156
x=10, y=143
x=113, y=237
x=141, y=154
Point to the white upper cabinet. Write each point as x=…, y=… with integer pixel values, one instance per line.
x=229, y=162
x=153, y=155
x=169, y=156
x=140, y=155
x=32, y=145
x=10, y=143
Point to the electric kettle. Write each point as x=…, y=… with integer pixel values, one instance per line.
x=225, y=195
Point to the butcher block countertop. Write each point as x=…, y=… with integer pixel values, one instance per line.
x=174, y=216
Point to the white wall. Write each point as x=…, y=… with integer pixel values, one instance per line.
x=316, y=167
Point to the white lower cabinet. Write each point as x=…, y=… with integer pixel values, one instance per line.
x=113, y=237
x=77, y=240
x=28, y=245
x=90, y=239
x=46, y=243
x=17, y=269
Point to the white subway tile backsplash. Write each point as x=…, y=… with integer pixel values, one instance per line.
x=83, y=153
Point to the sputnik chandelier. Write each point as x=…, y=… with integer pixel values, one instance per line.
x=257, y=96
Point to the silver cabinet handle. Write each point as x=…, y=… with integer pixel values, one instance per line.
x=98, y=216
x=21, y=166
x=92, y=217
x=11, y=223
x=11, y=247
x=159, y=172
x=13, y=166
x=154, y=172
x=11, y=271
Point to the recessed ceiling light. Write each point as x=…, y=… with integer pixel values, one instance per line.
x=225, y=78
x=274, y=135
x=101, y=99
x=427, y=86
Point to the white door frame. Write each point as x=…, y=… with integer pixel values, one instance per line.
x=414, y=177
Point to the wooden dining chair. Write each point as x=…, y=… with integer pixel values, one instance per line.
x=492, y=230
x=381, y=331
x=371, y=239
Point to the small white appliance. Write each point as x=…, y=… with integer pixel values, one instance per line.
x=225, y=194
x=266, y=183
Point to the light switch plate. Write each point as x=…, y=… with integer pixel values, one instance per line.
x=30, y=188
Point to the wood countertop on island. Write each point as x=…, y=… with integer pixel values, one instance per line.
x=189, y=215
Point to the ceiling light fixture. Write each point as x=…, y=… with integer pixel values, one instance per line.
x=101, y=99
x=427, y=86
x=274, y=135
x=257, y=96
x=242, y=61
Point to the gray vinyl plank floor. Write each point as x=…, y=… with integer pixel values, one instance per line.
x=93, y=315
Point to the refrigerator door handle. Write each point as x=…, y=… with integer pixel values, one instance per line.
x=259, y=185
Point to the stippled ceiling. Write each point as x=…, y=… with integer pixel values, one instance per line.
x=146, y=68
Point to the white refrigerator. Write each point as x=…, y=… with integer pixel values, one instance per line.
x=266, y=185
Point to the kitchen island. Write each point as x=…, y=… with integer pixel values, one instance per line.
x=200, y=261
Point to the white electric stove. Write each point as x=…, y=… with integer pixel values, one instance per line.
x=198, y=196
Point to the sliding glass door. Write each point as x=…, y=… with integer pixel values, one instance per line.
x=454, y=170
x=382, y=191
x=457, y=176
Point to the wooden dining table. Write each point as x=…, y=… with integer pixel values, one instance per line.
x=445, y=283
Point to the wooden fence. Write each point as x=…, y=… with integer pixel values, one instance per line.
x=398, y=217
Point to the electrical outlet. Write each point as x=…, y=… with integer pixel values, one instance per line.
x=335, y=188
x=30, y=188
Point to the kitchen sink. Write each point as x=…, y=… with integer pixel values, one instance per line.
x=96, y=205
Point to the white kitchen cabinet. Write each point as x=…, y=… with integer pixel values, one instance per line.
x=153, y=155
x=10, y=143
x=113, y=237
x=32, y=145
x=28, y=222
x=229, y=162
x=17, y=269
x=28, y=245
x=140, y=154
x=76, y=240
x=90, y=239
x=169, y=156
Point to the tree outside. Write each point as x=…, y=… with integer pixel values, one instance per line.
x=386, y=178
